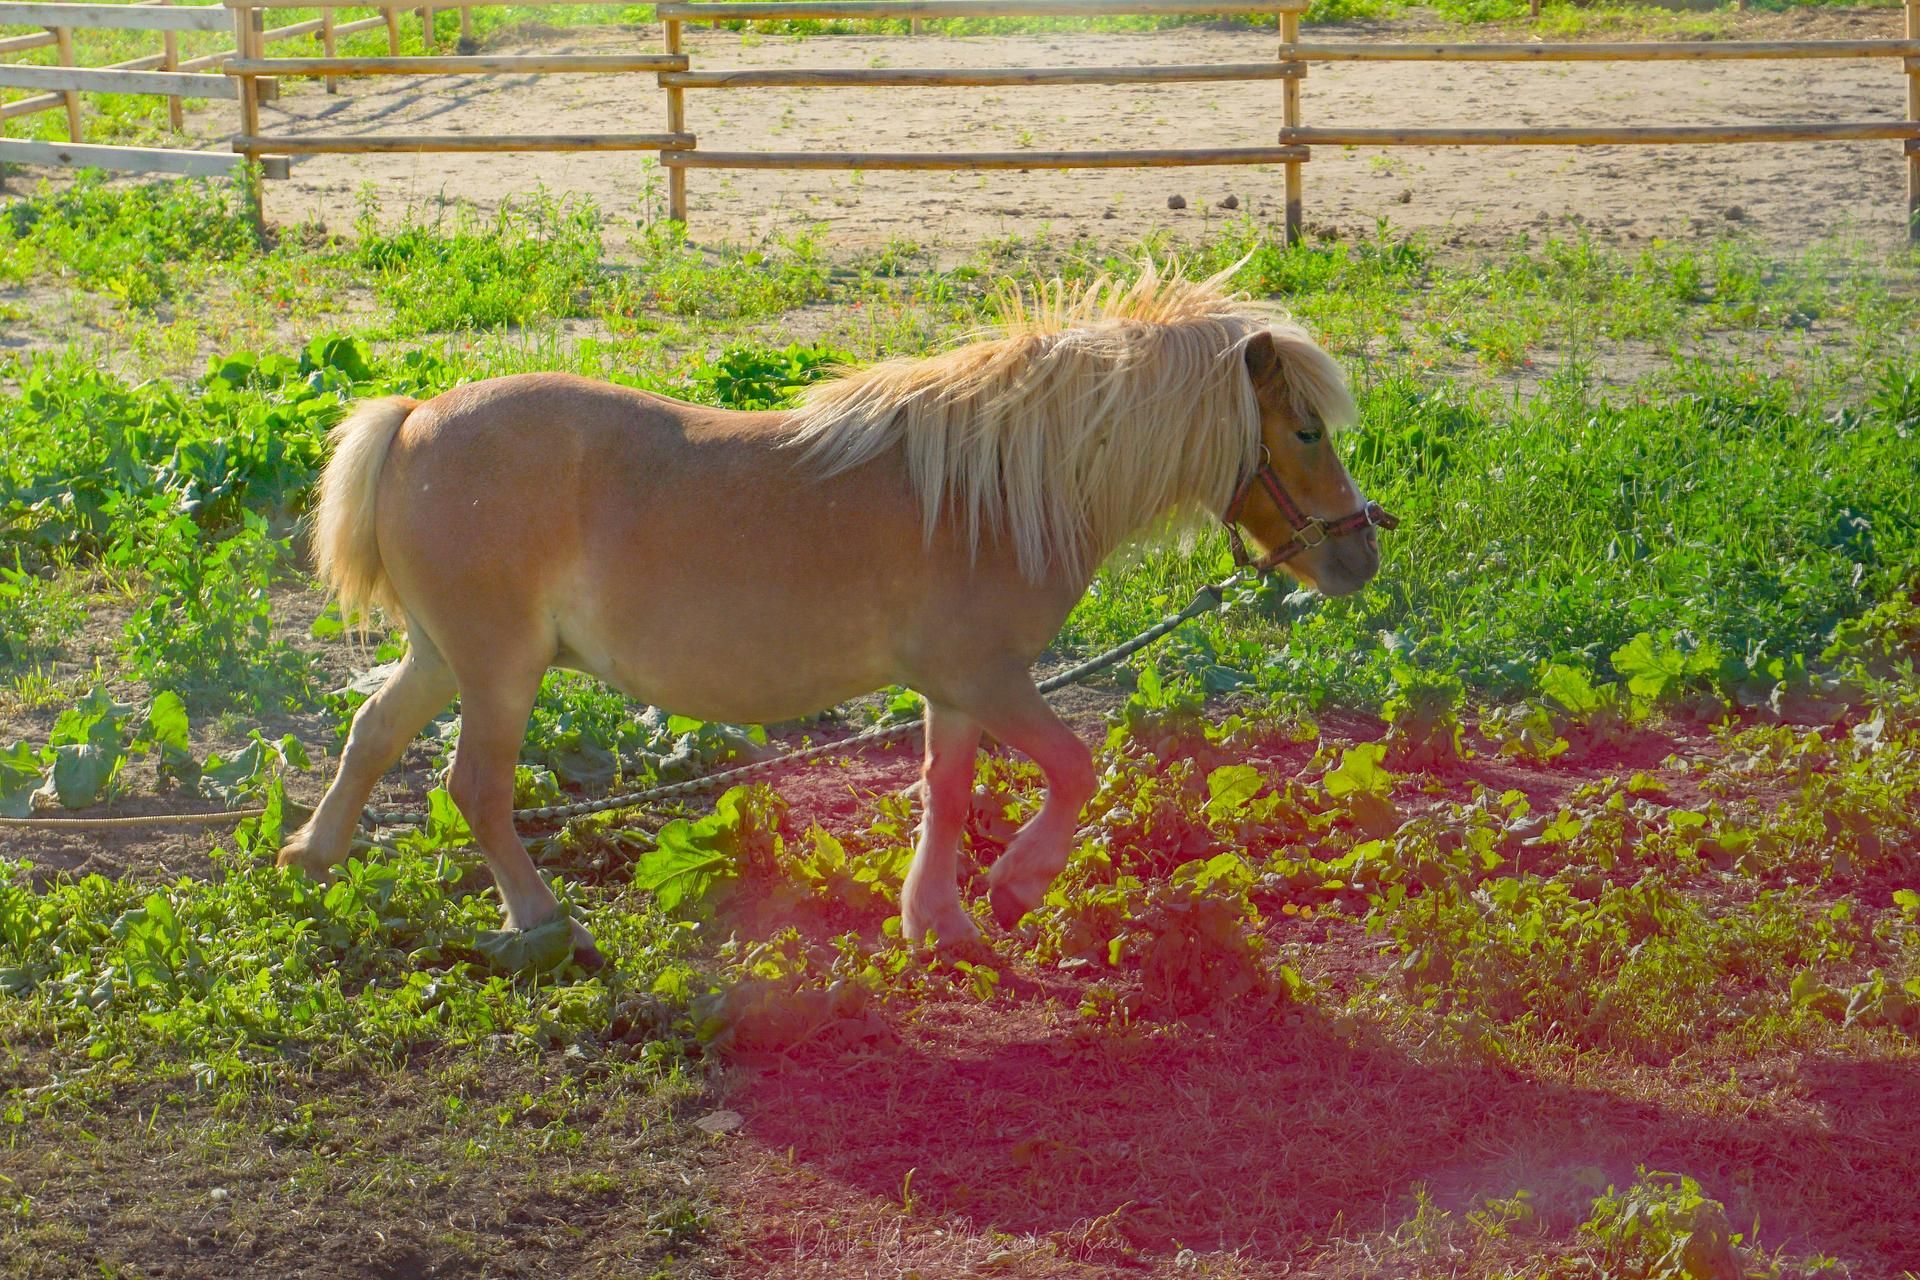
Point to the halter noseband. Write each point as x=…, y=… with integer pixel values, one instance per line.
x=1308, y=531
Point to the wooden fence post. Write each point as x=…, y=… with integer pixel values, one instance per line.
x=426, y=28
x=677, y=123
x=393, y=30
x=1913, y=113
x=63, y=38
x=466, y=26
x=327, y=45
x=246, y=44
x=1290, y=119
x=170, y=61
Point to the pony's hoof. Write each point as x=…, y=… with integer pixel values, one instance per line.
x=1008, y=910
x=959, y=932
x=296, y=856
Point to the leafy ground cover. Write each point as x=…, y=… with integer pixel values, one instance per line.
x=1548, y=908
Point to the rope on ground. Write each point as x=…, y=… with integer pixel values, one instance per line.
x=135, y=820
x=1206, y=600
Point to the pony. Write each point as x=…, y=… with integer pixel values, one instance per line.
x=927, y=523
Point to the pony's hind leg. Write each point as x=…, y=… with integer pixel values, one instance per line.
x=930, y=900
x=1017, y=715
x=417, y=690
x=493, y=723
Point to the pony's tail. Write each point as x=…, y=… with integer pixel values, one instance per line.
x=345, y=550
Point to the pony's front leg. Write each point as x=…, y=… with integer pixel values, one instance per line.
x=1018, y=716
x=930, y=900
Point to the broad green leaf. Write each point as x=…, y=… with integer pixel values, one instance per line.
x=691, y=857
x=231, y=780
x=96, y=721
x=291, y=751
x=589, y=765
x=22, y=771
x=446, y=826
x=167, y=728
x=679, y=868
x=1365, y=786
x=81, y=772
x=347, y=355
x=541, y=949
x=265, y=833
x=1231, y=786
x=1571, y=687
x=1649, y=671
x=1360, y=773
x=166, y=735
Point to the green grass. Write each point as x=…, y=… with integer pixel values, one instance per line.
x=1642, y=820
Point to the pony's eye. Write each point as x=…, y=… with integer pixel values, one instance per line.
x=1309, y=436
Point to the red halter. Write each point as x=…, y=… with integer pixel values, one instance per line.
x=1308, y=531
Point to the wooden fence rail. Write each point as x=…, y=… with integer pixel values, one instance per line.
x=251, y=76
x=164, y=74
x=1621, y=51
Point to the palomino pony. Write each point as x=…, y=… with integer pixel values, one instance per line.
x=927, y=523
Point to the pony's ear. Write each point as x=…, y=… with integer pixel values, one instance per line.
x=1263, y=362
x=1291, y=374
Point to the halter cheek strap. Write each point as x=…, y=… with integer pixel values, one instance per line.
x=1308, y=531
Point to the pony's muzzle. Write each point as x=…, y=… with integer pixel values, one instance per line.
x=1344, y=565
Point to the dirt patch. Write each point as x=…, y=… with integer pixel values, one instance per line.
x=1488, y=195
x=1002, y=1143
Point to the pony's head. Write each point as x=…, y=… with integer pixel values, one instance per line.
x=1296, y=504
x=1098, y=410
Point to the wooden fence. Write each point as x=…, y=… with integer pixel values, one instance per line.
x=1293, y=58
x=251, y=77
x=164, y=74
x=253, y=68
x=677, y=146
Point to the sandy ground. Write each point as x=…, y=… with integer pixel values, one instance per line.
x=1784, y=194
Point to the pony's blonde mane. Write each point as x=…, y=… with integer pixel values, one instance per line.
x=1096, y=410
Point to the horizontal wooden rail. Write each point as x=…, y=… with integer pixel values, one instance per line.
x=48, y=101
x=940, y=160
x=504, y=64
x=102, y=80
x=453, y=143
x=364, y=4
x=191, y=164
x=282, y=33
x=1582, y=136
x=122, y=17
x=1624, y=51
x=20, y=44
x=268, y=89
x=864, y=77
x=761, y=10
